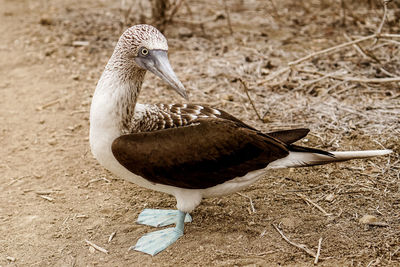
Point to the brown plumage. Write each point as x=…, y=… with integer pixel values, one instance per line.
x=197, y=147
x=203, y=154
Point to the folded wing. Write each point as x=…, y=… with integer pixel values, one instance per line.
x=204, y=154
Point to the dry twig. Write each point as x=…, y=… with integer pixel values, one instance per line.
x=251, y=201
x=354, y=79
x=47, y=198
x=307, y=200
x=246, y=89
x=330, y=49
x=367, y=80
x=174, y=10
x=111, y=236
x=300, y=246
x=97, y=180
x=385, y=3
x=228, y=17
x=360, y=50
x=12, y=259
x=49, y=104
x=96, y=246
x=318, y=251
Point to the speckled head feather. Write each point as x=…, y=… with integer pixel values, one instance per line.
x=143, y=35
x=128, y=46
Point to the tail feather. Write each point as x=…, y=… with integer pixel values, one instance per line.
x=290, y=136
x=305, y=159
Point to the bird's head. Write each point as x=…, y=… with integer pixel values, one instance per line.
x=147, y=48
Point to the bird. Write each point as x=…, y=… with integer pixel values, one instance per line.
x=189, y=151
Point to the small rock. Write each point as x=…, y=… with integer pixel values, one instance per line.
x=92, y=249
x=49, y=52
x=52, y=142
x=185, y=33
x=266, y=119
x=12, y=259
x=330, y=197
x=227, y=97
x=248, y=59
x=220, y=16
x=372, y=220
x=46, y=21
x=367, y=219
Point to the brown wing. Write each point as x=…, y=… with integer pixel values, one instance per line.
x=204, y=154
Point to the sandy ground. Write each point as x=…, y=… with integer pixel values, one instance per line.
x=54, y=196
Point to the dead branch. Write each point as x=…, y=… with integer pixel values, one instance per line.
x=96, y=180
x=246, y=89
x=367, y=80
x=330, y=49
x=300, y=246
x=163, y=12
x=385, y=3
x=228, y=17
x=353, y=79
x=47, y=198
x=96, y=247
x=49, y=104
x=318, y=251
x=360, y=50
x=250, y=199
x=174, y=10
x=307, y=200
x=327, y=50
x=110, y=238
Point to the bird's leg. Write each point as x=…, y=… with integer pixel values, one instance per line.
x=155, y=242
x=159, y=218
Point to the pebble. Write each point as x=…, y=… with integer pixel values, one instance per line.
x=52, y=142
x=12, y=259
x=330, y=197
x=46, y=21
x=372, y=220
x=92, y=249
x=368, y=219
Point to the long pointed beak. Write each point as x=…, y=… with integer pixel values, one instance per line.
x=157, y=62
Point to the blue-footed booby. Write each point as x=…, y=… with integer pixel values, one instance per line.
x=186, y=150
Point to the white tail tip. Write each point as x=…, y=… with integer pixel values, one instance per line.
x=346, y=155
x=304, y=159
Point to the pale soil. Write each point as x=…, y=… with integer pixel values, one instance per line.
x=51, y=197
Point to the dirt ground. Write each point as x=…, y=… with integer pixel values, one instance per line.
x=54, y=195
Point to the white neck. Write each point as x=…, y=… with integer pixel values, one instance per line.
x=113, y=106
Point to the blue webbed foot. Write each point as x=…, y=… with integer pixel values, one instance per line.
x=155, y=242
x=159, y=218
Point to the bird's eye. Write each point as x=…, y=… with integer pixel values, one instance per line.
x=144, y=51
